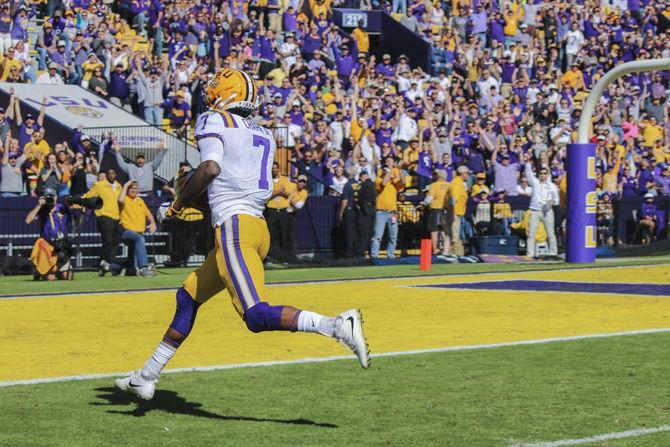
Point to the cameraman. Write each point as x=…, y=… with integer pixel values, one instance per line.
x=51, y=252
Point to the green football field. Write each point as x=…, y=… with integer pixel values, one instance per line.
x=606, y=389
x=488, y=397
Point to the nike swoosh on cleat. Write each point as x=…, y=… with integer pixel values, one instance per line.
x=351, y=320
x=135, y=386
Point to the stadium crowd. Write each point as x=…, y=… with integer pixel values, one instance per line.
x=491, y=117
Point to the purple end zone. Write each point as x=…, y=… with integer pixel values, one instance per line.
x=562, y=286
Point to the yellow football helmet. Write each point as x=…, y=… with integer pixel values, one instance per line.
x=232, y=89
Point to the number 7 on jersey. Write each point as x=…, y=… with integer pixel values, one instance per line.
x=263, y=143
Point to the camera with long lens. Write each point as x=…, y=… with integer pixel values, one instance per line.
x=49, y=195
x=94, y=203
x=49, y=202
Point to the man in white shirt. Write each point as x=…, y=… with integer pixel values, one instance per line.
x=573, y=42
x=407, y=127
x=544, y=196
x=339, y=130
x=486, y=82
x=414, y=91
x=403, y=81
x=533, y=91
x=560, y=134
x=369, y=148
x=50, y=77
x=289, y=50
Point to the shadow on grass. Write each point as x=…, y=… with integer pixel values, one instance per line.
x=171, y=402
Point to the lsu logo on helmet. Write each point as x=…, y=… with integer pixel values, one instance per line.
x=232, y=89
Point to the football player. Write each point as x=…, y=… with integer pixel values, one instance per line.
x=235, y=172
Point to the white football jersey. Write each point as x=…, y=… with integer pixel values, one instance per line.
x=245, y=152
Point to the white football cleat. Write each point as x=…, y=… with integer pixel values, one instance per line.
x=350, y=334
x=137, y=385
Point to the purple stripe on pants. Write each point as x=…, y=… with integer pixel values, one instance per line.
x=240, y=259
x=229, y=267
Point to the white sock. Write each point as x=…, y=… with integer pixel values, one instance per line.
x=313, y=322
x=153, y=367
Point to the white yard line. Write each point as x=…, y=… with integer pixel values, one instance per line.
x=597, y=438
x=339, y=357
x=336, y=281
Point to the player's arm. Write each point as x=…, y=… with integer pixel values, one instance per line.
x=207, y=171
x=211, y=156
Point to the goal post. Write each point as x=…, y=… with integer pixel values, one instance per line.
x=581, y=168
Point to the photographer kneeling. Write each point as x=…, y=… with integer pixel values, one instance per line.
x=52, y=250
x=134, y=216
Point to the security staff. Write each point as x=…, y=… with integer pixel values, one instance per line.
x=297, y=198
x=347, y=219
x=107, y=217
x=365, y=212
x=276, y=211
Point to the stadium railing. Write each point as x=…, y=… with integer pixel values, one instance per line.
x=316, y=230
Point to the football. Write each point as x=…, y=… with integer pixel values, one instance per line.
x=201, y=201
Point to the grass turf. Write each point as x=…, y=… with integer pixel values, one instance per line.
x=171, y=278
x=489, y=397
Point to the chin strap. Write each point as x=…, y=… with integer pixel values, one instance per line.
x=228, y=103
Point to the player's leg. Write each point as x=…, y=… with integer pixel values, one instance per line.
x=245, y=242
x=548, y=222
x=198, y=287
x=533, y=225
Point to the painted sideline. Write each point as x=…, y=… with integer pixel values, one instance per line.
x=339, y=357
x=604, y=437
x=341, y=280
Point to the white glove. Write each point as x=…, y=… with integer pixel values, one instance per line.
x=165, y=213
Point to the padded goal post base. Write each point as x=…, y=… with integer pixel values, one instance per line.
x=582, y=203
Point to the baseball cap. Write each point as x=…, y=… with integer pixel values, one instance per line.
x=53, y=65
x=29, y=116
x=179, y=94
x=296, y=103
x=364, y=172
x=481, y=175
x=85, y=138
x=61, y=43
x=302, y=178
x=49, y=192
x=441, y=173
x=386, y=56
x=463, y=169
x=649, y=196
x=277, y=95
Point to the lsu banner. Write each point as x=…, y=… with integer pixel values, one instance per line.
x=582, y=203
x=71, y=106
